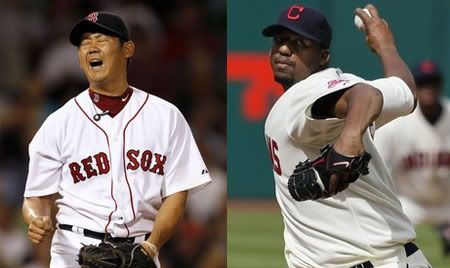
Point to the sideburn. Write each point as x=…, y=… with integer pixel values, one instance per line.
x=324, y=58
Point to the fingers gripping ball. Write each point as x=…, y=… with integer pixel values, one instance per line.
x=359, y=23
x=119, y=255
x=327, y=175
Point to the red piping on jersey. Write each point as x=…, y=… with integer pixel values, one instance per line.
x=109, y=152
x=128, y=230
x=115, y=208
x=124, y=166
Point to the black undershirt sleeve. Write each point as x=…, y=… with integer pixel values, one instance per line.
x=325, y=106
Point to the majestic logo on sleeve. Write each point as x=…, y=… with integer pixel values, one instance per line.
x=99, y=164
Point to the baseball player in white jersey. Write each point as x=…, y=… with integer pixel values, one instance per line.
x=416, y=148
x=361, y=224
x=121, y=160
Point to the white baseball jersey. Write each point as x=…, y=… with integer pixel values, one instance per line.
x=363, y=222
x=418, y=154
x=113, y=173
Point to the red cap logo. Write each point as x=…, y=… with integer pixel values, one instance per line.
x=294, y=12
x=427, y=67
x=92, y=17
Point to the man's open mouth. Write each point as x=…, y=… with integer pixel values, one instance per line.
x=95, y=63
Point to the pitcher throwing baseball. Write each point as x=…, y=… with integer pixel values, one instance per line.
x=119, y=162
x=334, y=190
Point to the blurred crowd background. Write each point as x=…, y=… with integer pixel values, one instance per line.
x=180, y=56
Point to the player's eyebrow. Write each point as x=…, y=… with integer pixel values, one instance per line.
x=89, y=35
x=292, y=36
x=295, y=38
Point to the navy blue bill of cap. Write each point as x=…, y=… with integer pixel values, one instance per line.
x=99, y=22
x=427, y=71
x=303, y=21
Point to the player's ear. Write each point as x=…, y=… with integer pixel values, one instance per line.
x=324, y=57
x=128, y=48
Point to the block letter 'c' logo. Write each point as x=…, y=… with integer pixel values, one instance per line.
x=294, y=12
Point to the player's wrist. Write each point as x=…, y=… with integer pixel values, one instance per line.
x=150, y=249
x=349, y=144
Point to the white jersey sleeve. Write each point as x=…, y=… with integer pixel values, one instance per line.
x=398, y=99
x=301, y=125
x=186, y=171
x=45, y=166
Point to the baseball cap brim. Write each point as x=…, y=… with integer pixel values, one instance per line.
x=427, y=71
x=85, y=26
x=427, y=78
x=271, y=30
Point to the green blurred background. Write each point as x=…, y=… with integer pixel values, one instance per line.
x=421, y=30
x=255, y=240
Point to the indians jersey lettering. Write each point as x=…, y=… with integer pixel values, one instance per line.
x=418, y=154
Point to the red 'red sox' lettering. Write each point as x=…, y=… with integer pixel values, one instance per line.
x=158, y=168
x=132, y=155
x=149, y=161
x=146, y=160
x=87, y=166
x=102, y=163
x=99, y=164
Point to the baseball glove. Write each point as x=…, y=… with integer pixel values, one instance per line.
x=118, y=255
x=326, y=175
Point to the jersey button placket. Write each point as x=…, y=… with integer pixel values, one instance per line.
x=115, y=178
x=122, y=190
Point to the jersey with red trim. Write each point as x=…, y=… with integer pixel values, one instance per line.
x=112, y=174
x=365, y=220
x=418, y=154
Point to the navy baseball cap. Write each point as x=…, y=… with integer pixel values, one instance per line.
x=99, y=22
x=304, y=21
x=427, y=71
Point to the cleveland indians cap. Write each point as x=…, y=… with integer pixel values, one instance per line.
x=427, y=71
x=99, y=22
x=304, y=21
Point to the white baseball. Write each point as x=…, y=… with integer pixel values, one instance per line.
x=359, y=23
